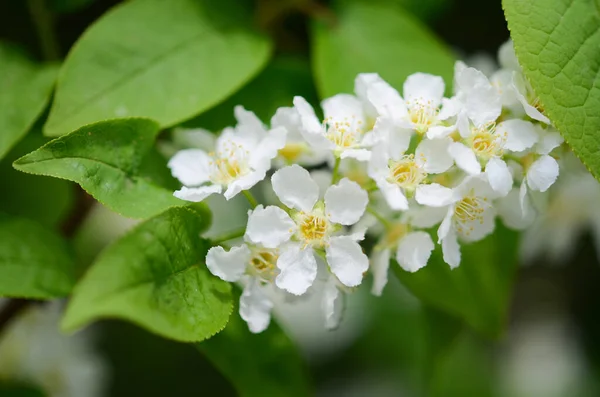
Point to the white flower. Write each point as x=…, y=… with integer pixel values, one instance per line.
x=34, y=351
x=347, y=128
x=399, y=175
x=332, y=302
x=310, y=227
x=418, y=111
x=241, y=159
x=255, y=267
x=296, y=149
x=469, y=216
x=412, y=249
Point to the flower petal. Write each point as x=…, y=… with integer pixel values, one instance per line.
x=542, y=173
x=190, y=167
x=450, y=108
x=549, y=140
x=499, y=176
x=434, y=195
x=249, y=125
x=345, y=202
x=244, y=183
x=197, y=194
x=511, y=211
x=520, y=134
x=380, y=263
x=446, y=225
x=414, y=251
x=346, y=260
x=520, y=86
x=358, y=154
x=268, y=147
x=423, y=87
x=295, y=188
x=308, y=119
x=298, y=269
x=393, y=195
x=255, y=307
x=270, y=226
x=332, y=304
x=451, y=249
x=481, y=100
x=464, y=158
x=387, y=101
x=228, y=265
x=433, y=154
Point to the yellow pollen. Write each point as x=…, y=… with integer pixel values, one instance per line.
x=313, y=228
x=536, y=103
x=229, y=164
x=486, y=142
x=422, y=114
x=468, y=211
x=344, y=133
x=264, y=265
x=406, y=172
x=393, y=235
x=292, y=151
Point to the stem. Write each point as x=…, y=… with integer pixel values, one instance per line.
x=229, y=236
x=250, y=198
x=336, y=170
x=43, y=21
x=386, y=223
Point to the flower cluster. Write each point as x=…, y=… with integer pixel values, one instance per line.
x=414, y=168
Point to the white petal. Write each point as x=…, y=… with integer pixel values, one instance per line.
x=520, y=86
x=425, y=217
x=480, y=228
x=255, y=307
x=520, y=134
x=288, y=118
x=507, y=57
x=346, y=260
x=362, y=83
x=387, y=101
x=308, y=119
x=434, y=195
x=446, y=226
x=440, y=131
x=190, y=166
x=380, y=263
x=267, y=149
x=342, y=107
x=393, y=195
x=499, y=176
x=298, y=269
x=332, y=304
x=549, y=140
x=511, y=212
x=244, y=183
x=433, y=154
x=464, y=158
x=197, y=194
x=524, y=199
x=270, y=226
x=396, y=138
x=414, y=251
x=482, y=102
x=451, y=249
x=249, y=126
x=228, y=265
x=542, y=173
x=450, y=108
x=295, y=188
x=424, y=87
x=345, y=202
x=358, y=154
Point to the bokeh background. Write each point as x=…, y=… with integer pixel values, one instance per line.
x=551, y=346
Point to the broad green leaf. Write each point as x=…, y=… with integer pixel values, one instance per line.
x=557, y=44
x=166, y=60
x=265, y=364
x=155, y=277
x=278, y=83
x=45, y=200
x=34, y=261
x=105, y=159
x=24, y=91
x=479, y=290
x=8, y=389
x=379, y=38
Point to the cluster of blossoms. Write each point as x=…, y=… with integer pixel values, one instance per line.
x=414, y=169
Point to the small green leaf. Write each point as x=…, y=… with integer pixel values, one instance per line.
x=479, y=290
x=265, y=364
x=24, y=91
x=34, y=261
x=166, y=60
x=380, y=38
x=105, y=159
x=155, y=277
x=557, y=44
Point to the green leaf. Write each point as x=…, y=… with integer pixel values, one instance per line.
x=277, y=84
x=24, y=196
x=379, y=38
x=265, y=364
x=24, y=91
x=34, y=261
x=479, y=290
x=105, y=159
x=18, y=390
x=68, y=6
x=155, y=277
x=166, y=60
x=557, y=43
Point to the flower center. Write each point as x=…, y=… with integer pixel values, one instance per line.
x=422, y=114
x=469, y=210
x=486, y=142
x=406, y=172
x=292, y=151
x=344, y=133
x=229, y=164
x=393, y=235
x=264, y=264
x=313, y=228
